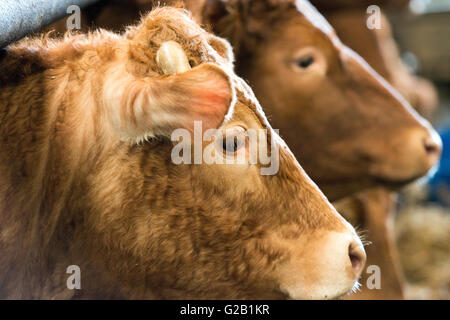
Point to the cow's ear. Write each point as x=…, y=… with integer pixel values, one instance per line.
x=141, y=108
x=214, y=11
x=240, y=21
x=222, y=47
x=221, y=17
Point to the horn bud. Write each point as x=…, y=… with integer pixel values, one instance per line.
x=171, y=58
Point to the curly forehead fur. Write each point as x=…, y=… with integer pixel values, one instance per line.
x=141, y=42
x=160, y=25
x=165, y=24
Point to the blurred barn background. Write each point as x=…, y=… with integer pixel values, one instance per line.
x=420, y=30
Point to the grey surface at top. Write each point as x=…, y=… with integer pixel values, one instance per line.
x=19, y=18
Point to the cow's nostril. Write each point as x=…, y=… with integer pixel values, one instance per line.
x=432, y=147
x=357, y=257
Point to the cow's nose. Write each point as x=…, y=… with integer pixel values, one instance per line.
x=433, y=146
x=357, y=257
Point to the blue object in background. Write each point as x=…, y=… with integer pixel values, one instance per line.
x=439, y=184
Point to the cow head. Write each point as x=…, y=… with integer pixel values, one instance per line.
x=191, y=230
x=349, y=127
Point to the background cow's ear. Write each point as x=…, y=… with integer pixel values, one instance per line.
x=215, y=10
x=240, y=21
x=222, y=47
x=143, y=108
x=224, y=18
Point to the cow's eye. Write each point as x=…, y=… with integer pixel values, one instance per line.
x=232, y=144
x=233, y=140
x=305, y=62
x=309, y=62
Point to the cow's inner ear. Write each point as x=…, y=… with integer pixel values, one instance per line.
x=141, y=108
x=222, y=47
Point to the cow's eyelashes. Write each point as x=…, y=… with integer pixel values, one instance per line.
x=305, y=62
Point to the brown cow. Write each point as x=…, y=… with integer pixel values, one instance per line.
x=78, y=190
x=324, y=87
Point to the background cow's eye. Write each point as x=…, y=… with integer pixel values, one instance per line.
x=309, y=62
x=305, y=62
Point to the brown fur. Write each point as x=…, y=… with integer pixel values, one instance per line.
x=138, y=225
x=325, y=5
x=379, y=49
